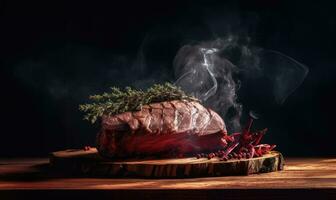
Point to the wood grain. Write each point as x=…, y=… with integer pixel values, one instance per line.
x=298, y=173
x=89, y=163
x=301, y=178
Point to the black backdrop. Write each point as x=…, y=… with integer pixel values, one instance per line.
x=54, y=54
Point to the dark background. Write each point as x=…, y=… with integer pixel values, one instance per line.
x=55, y=54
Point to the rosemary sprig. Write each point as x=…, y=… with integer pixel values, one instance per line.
x=119, y=101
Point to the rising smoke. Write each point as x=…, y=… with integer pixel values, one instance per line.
x=213, y=71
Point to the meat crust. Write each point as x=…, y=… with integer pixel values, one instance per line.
x=171, y=127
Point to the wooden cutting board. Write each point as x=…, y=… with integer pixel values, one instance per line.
x=90, y=163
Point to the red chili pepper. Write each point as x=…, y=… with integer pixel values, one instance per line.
x=231, y=148
x=258, y=136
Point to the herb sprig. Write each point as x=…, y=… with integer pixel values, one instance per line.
x=122, y=100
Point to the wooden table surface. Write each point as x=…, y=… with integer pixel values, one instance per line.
x=313, y=177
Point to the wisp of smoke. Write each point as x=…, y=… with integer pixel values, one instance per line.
x=213, y=71
x=286, y=73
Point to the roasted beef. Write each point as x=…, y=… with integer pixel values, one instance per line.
x=170, y=128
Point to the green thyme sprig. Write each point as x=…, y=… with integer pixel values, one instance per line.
x=129, y=99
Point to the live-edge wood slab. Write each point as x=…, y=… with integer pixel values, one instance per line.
x=89, y=163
